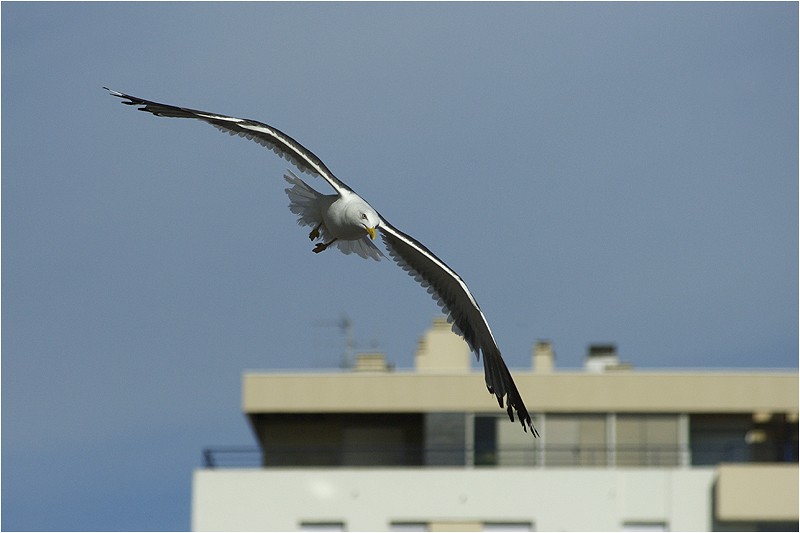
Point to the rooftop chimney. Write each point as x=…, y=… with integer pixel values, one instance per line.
x=543, y=357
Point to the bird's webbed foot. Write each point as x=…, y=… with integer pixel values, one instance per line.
x=315, y=232
x=321, y=246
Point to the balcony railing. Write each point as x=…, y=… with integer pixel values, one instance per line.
x=232, y=457
x=548, y=456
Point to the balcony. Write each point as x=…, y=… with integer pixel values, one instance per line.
x=534, y=456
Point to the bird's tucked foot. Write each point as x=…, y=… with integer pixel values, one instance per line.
x=315, y=232
x=322, y=246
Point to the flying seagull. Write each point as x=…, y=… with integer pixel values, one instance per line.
x=348, y=221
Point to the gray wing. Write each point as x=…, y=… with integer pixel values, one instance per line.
x=452, y=294
x=263, y=134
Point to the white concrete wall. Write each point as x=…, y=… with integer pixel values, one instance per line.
x=370, y=500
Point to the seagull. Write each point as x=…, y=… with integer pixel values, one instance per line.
x=348, y=221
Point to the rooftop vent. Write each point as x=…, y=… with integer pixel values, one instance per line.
x=603, y=358
x=371, y=362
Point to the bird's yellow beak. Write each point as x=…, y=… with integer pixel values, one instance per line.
x=371, y=232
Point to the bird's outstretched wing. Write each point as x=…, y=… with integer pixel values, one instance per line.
x=263, y=134
x=444, y=284
x=453, y=295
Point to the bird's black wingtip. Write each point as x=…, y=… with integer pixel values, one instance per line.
x=522, y=413
x=526, y=423
x=131, y=100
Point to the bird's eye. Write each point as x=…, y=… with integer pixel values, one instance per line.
x=363, y=216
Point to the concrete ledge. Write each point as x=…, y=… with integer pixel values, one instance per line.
x=753, y=492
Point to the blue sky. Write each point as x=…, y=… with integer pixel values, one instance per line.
x=595, y=172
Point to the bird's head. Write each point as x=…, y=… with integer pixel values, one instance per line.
x=367, y=218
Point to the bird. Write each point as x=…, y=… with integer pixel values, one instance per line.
x=348, y=221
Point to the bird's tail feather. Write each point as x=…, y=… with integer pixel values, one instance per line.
x=303, y=200
x=362, y=247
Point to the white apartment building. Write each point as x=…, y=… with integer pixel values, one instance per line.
x=374, y=449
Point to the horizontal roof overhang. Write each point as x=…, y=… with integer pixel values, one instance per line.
x=764, y=392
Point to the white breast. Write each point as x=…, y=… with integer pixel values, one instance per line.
x=340, y=224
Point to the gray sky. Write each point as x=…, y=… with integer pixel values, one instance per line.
x=595, y=172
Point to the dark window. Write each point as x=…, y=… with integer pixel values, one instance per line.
x=485, y=440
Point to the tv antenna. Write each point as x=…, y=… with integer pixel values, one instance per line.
x=345, y=326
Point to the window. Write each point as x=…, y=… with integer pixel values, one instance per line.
x=445, y=439
x=340, y=439
x=647, y=440
x=575, y=440
x=717, y=438
x=408, y=526
x=485, y=440
x=499, y=443
x=644, y=526
x=515, y=447
x=322, y=526
x=507, y=526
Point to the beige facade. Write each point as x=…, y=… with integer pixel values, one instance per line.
x=656, y=392
x=757, y=492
